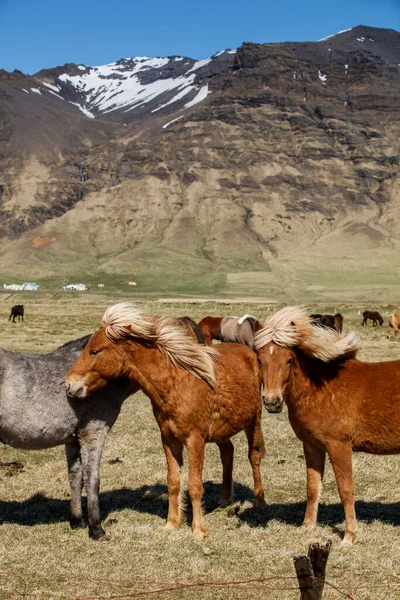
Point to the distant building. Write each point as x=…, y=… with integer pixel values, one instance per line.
x=100, y=285
x=30, y=285
x=130, y=282
x=17, y=287
x=77, y=287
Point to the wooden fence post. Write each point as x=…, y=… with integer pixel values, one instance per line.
x=310, y=571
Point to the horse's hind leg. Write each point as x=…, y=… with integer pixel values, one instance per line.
x=226, y=452
x=75, y=477
x=315, y=461
x=173, y=454
x=256, y=452
x=92, y=444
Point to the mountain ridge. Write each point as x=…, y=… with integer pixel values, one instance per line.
x=295, y=142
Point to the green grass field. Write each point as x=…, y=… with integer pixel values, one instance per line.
x=40, y=557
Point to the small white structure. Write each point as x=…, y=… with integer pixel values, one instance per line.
x=77, y=287
x=18, y=287
x=130, y=282
x=13, y=287
x=30, y=286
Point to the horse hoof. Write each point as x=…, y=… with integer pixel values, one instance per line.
x=81, y=524
x=171, y=526
x=97, y=534
x=260, y=503
x=199, y=534
x=224, y=502
x=346, y=543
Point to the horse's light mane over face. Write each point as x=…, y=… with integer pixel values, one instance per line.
x=125, y=320
x=292, y=327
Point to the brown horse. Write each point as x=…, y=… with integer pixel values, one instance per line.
x=210, y=327
x=336, y=403
x=198, y=395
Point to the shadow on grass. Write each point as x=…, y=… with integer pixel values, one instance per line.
x=153, y=500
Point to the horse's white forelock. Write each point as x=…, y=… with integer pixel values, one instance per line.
x=125, y=320
x=292, y=327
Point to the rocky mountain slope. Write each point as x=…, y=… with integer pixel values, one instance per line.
x=252, y=171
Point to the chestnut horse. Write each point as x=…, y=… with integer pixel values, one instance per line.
x=192, y=403
x=210, y=327
x=336, y=403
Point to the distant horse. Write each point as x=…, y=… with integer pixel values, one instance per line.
x=333, y=321
x=17, y=311
x=35, y=413
x=336, y=403
x=198, y=394
x=374, y=316
x=394, y=324
x=240, y=330
x=193, y=329
x=230, y=329
x=210, y=327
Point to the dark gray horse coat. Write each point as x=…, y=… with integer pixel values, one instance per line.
x=36, y=413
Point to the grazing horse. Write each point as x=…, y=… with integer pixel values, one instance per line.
x=333, y=321
x=336, y=403
x=35, y=413
x=374, y=316
x=193, y=329
x=17, y=311
x=210, y=327
x=394, y=324
x=198, y=394
x=241, y=331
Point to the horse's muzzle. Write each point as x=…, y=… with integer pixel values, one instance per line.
x=75, y=391
x=273, y=406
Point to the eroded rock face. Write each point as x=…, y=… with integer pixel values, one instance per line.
x=290, y=144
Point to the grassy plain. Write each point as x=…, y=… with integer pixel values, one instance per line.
x=40, y=557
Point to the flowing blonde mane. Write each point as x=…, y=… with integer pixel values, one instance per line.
x=125, y=320
x=292, y=327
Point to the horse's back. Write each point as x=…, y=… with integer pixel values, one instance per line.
x=237, y=361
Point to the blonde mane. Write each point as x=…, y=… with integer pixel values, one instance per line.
x=292, y=327
x=125, y=320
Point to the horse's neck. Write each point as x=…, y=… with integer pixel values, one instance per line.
x=300, y=386
x=153, y=372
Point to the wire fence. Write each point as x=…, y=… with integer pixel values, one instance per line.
x=142, y=587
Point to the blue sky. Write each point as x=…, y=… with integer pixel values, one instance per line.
x=38, y=34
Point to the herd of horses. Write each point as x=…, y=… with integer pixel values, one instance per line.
x=205, y=393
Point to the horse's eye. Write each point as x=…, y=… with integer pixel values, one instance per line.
x=289, y=362
x=94, y=351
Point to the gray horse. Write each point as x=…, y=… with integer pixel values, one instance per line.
x=240, y=330
x=36, y=413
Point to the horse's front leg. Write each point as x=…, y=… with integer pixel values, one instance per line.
x=75, y=477
x=173, y=453
x=341, y=455
x=195, y=448
x=226, y=453
x=92, y=444
x=256, y=452
x=315, y=461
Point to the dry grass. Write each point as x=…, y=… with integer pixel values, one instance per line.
x=40, y=557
